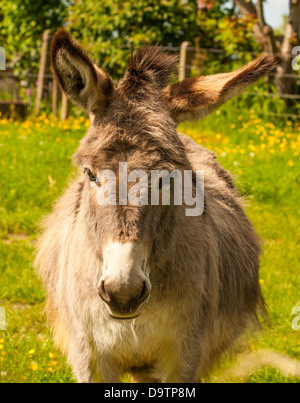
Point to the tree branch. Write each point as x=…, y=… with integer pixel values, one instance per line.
x=292, y=32
x=260, y=13
x=291, y=39
x=267, y=31
x=246, y=7
x=295, y=16
x=263, y=33
x=265, y=37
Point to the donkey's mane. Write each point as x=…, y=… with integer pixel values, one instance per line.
x=150, y=64
x=155, y=59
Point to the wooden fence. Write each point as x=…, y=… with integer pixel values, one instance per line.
x=46, y=82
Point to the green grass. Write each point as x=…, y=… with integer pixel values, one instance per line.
x=35, y=166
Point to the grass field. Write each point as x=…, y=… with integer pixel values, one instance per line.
x=35, y=167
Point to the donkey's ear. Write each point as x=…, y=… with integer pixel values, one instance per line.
x=194, y=98
x=81, y=80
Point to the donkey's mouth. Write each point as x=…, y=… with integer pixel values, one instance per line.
x=125, y=317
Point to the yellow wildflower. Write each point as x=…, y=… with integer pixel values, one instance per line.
x=34, y=366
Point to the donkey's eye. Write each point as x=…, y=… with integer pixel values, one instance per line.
x=92, y=177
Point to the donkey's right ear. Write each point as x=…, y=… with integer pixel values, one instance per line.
x=194, y=98
x=81, y=80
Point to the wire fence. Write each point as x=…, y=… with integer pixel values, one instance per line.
x=191, y=64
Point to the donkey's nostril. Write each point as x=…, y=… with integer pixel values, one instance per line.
x=144, y=294
x=123, y=299
x=102, y=292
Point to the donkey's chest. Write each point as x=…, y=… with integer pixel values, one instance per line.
x=138, y=343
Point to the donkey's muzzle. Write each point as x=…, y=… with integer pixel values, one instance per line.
x=124, y=301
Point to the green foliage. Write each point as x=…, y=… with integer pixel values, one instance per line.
x=110, y=29
x=22, y=25
x=222, y=28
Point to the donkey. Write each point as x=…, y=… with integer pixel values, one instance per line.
x=146, y=290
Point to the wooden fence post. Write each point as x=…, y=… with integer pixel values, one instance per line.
x=182, y=61
x=64, y=107
x=55, y=96
x=42, y=70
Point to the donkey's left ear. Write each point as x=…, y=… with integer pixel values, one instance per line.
x=81, y=80
x=194, y=98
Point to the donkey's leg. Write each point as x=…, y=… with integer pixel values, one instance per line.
x=108, y=370
x=143, y=376
x=190, y=361
x=181, y=364
x=186, y=372
x=79, y=357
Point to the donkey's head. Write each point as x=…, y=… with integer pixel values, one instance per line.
x=134, y=124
